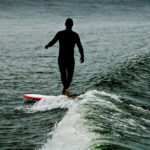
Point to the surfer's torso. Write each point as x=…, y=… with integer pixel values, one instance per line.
x=67, y=40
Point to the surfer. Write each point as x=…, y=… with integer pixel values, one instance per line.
x=67, y=40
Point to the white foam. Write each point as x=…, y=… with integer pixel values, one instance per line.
x=140, y=108
x=50, y=103
x=72, y=132
x=91, y=96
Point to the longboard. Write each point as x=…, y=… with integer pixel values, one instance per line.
x=39, y=97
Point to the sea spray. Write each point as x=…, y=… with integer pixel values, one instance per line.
x=71, y=132
x=92, y=122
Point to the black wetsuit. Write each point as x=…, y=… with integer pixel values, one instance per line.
x=67, y=40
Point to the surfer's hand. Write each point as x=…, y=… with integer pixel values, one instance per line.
x=82, y=59
x=46, y=46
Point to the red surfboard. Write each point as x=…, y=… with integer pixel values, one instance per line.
x=39, y=97
x=35, y=96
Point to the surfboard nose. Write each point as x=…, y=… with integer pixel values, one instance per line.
x=33, y=96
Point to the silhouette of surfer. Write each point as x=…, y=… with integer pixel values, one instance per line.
x=67, y=40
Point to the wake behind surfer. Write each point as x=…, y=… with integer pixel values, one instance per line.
x=67, y=41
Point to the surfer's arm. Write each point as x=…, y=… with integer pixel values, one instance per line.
x=80, y=49
x=52, y=42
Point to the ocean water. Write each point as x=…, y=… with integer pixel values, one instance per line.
x=113, y=111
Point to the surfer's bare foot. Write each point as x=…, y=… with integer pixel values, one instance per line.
x=67, y=92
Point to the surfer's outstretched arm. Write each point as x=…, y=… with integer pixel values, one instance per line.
x=80, y=49
x=52, y=42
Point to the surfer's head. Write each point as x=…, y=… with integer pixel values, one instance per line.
x=69, y=23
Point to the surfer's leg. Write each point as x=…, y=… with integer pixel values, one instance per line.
x=64, y=91
x=70, y=70
x=62, y=69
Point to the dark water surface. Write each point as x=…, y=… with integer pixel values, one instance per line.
x=114, y=84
